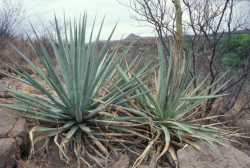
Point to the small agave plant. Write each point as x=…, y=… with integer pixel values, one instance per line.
x=72, y=103
x=174, y=111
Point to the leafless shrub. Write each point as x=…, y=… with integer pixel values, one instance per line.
x=11, y=15
x=208, y=22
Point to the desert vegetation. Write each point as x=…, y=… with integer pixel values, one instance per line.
x=90, y=99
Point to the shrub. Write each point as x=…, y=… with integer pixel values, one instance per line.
x=235, y=50
x=232, y=60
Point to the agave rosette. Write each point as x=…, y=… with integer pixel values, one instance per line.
x=174, y=113
x=73, y=102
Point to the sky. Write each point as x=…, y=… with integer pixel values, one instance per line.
x=40, y=11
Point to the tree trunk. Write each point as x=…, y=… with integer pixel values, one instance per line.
x=178, y=41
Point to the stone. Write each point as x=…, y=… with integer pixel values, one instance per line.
x=144, y=166
x=243, y=123
x=7, y=152
x=3, y=89
x=20, y=133
x=13, y=138
x=216, y=156
x=20, y=129
x=7, y=122
x=122, y=162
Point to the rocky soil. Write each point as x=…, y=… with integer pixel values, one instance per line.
x=13, y=139
x=212, y=157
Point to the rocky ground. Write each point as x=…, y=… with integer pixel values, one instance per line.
x=13, y=139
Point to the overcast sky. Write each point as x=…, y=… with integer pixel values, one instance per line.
x=39, y=11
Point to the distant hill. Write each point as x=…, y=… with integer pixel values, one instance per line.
x=132, y=37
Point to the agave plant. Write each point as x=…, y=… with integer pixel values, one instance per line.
x=174, y=111
x=72, y=101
